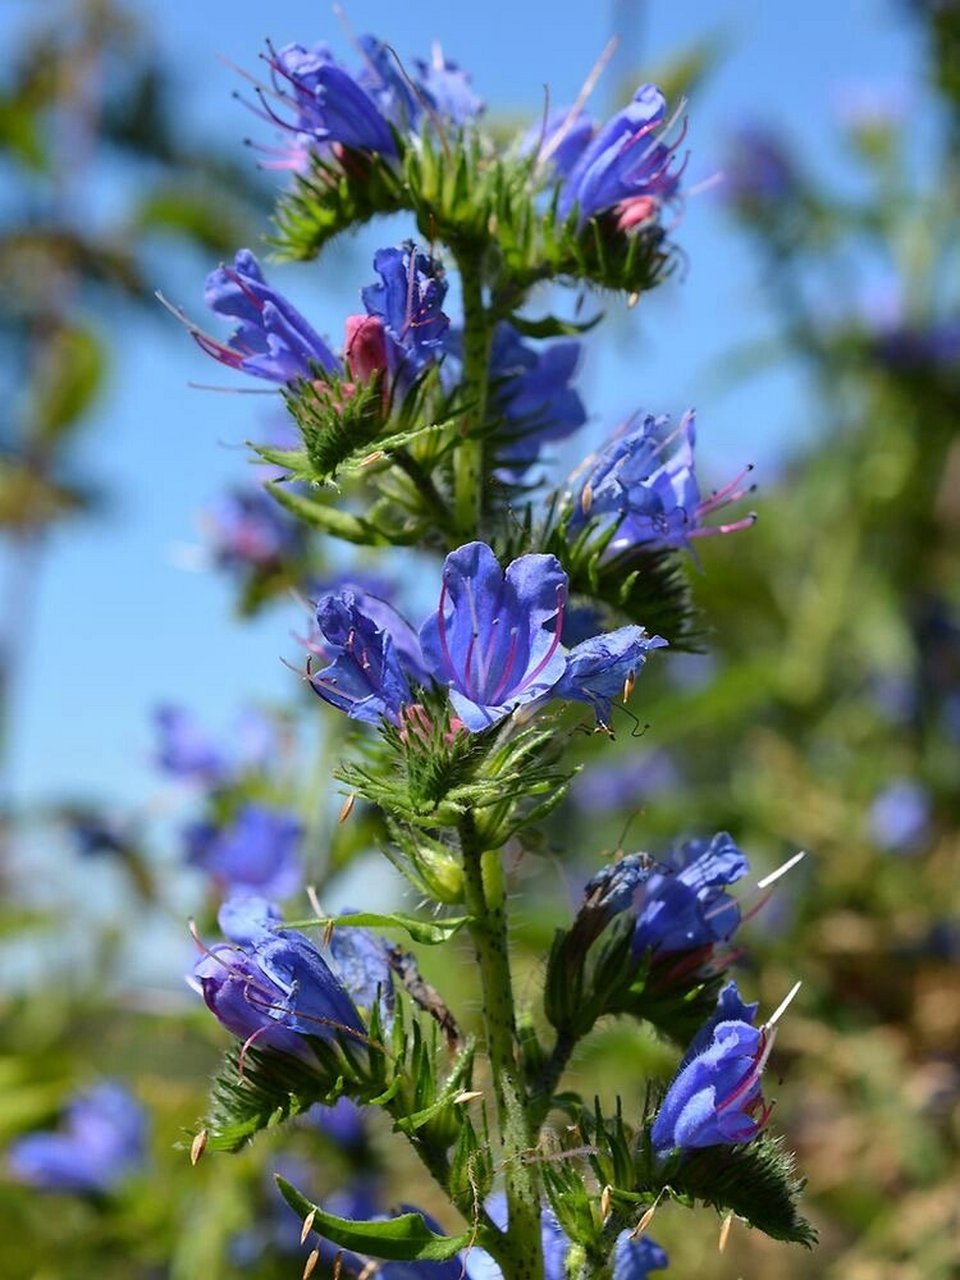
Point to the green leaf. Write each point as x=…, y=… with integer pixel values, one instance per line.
x=553, y=326
x=328, y=519
x=429, y=932
x=406, y=1238
x=69, y=378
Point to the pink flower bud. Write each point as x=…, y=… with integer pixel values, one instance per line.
x=365, y=349
x=636, y=212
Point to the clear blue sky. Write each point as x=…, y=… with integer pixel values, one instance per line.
x=120, y=625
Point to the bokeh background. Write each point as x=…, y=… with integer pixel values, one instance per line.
x=816, y=328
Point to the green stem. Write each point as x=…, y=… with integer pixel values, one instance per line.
x=522, y=1254
x=549, y=1078
x=468, y=457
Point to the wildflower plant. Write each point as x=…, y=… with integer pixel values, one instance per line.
x=429, y=428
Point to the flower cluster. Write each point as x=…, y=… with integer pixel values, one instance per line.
x=715, y=1098
x=642, y=491
x=273, y=988
x=626, y=167
x=333, y=113
x=493, y=643
x=401, y=331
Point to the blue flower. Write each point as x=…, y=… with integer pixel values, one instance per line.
x=257, y=850
x=628, y=166
x=531, y=393
x=438, y=89
x=683, y=906
x=715, y=1098
x=647, y=494
x=184, y=749
x=368, y=676
x=900, y=816
x=601, y=668
x=101, y=1143
x=272, y=988
x=331, y=110
x=361, y=961
x=248, y=530
x=330, y=106
x=559, y=141
x=615, y=888
x=495, y=638
x=272, y=340
x=409, y=304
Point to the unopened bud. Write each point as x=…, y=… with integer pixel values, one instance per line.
x=365, y=348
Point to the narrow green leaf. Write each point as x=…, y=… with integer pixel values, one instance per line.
x=553, y=326
x=406, y=1238
x=430, y=932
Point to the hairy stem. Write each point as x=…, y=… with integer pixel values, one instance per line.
x=468, y=457
x=521, y=1255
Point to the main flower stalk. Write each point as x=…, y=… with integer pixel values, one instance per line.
x=522, y=1256
x=468, y=469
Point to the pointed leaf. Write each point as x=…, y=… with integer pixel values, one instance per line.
x=429, y=932
x=406, y=1238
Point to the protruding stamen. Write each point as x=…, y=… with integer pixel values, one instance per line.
x=783, y=1006
x=781, y=870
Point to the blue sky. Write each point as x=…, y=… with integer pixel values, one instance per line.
x=120, y=622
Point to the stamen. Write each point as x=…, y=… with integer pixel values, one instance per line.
x=783, y=1006
x=558, y=628
x=781, y=870
x=581, y=99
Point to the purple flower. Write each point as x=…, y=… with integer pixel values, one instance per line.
x=409, y=304
x=649, y=496
x=367, y=677
x=683, y=906
x=258, y=850
x=248, y=530
x=900, y=816
x=601, y=668
x=495, y=638
x=272, y=339
x=629, y=164
x=101, y=1142
x=272, y=988
x=531, y=393
x=715, y=1098
x=184, y=749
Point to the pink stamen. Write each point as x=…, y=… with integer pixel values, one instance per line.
x=503, y=683
x=558, y=628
